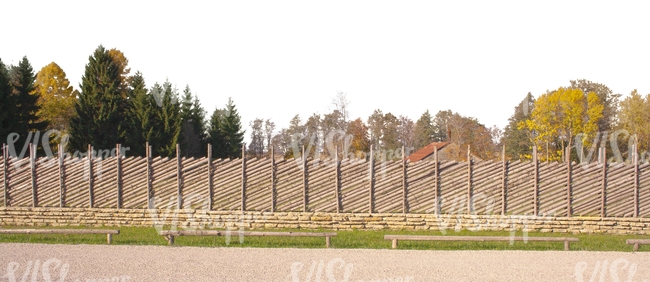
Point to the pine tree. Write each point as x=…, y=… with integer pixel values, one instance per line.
x=232, y=130
x=169, y=115
x=7, y=106
x=216, y=136
x=192, y=139
x=424, y=130
x=25, y=99
x=519, y=140
x=141, y=118
x=100, y=106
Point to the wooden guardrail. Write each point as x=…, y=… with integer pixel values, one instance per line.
x=396, y=238
x=637, y=242
x=109, y=233
x=170, y=234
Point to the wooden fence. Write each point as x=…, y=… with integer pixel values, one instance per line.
x=349, y=185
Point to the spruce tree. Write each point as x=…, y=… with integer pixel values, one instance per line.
x=192, y=138
x=141, y=117
x=424, y=130
x=25, y=99
x=169, y=117
x=518, y=141
x=216, y=136
x=7, y=106
x=100, y=107
x=232, y=130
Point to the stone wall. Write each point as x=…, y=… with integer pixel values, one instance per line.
x=189, y=218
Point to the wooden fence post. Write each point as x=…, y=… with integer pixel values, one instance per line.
x=372, y=180
x=90, y=176
x=536, y=182
x=435, y=181
x=243, y=178
x=304, y=180
x=179, y=176
x=503, y=180
x=469, y=181
x=118, y=162
x=5, y=176
x=337, y=182
x=150, y=203
x=272, y=179
x=636, y=180
x=603, y=180
x=32, y=167
x=210, y=177
x=404, y=192
x=61, y=177
x=568, y=163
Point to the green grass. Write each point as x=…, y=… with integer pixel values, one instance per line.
x=360, y=239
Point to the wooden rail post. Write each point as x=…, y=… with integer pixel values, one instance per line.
x=90, y=176
x=568, y=184
x=243, y=178
x=337, y=182
x=372, y=180
x=603, y=182
x=535, y=182
x=469, y=181
x=32, y=167
x=304, y=180
x=150, y=203
x=272, y=179
x=5, y=176
x=179, y=176
x=118, y=162
x=61, y=177
x=503, y=180
x=435, y=181
x=636, y=179
x=210, y=177
x=404, y=195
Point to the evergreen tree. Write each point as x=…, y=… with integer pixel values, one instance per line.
x=169, y=116
x=232, y=130
x=100, y=107
x=424, y=131
x=25, y=99
x=7, y=106
x=518, y=140
x=216, y=136
x=141, y=118
x=192, y=139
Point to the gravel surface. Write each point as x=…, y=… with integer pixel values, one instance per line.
x=39, y=262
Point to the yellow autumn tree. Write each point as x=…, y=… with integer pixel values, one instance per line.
x=560, y=116
x=57, y=97
x=634, y=116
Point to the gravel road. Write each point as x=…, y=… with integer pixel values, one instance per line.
x=39, y=262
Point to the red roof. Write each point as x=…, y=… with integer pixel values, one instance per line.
x=426, y=151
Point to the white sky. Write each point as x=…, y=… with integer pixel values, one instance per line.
x=281, y=58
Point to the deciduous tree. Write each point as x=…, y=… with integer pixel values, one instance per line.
x=56, y=97
x=564, y=114
x=634, y=116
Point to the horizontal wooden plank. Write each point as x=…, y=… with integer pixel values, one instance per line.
x=58, y=231
x=637, y=241
x=245, y=233
x=478, y=238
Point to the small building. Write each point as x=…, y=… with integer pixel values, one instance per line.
x=447, y=151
